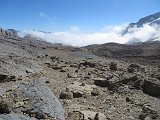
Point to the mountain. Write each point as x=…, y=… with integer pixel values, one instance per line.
x=151, y=20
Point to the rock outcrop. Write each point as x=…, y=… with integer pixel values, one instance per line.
x=14, y=116
x=90, y=115
x=152, y=87
x=8, y=33
x=77, y=90
x=34, y=99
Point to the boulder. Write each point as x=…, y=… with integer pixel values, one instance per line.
x=77, y=90
x=87, y=64
x=90, y=115
x=40, y=100
x=113, y=66
x=72, y=75
x=7, y=78
x=152, y=87
x=133, y=68
x=5, y=107
x=102, y=82
x=66, y=95
x=110, y=82
x=14, y=116
x=148, y=113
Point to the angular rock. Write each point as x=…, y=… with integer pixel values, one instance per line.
x=152, y=87
x=95, y=92
x=87, y=63
x=8, y=33
x=14, y=116
x=5, y=107
x=113, y=66
x=78, y=90
x=7, y=78
x=133, y=68
x=148, y=113
x=89, y=115
x=102, y=82
x=41, y=101
x=66, y=95
x=72, y=75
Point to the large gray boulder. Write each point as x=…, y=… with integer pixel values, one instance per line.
x=33, y=98
x=14, y=116
x=41, y=101
x=152, y=87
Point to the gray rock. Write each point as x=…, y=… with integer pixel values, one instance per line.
x=148, y=113
x=90, y=115
x=102, y=82
x=8, y=33
x=5, y=107
x=152, y=87
x=72, y=75
x=66, y=95
x=133, y=68
x=113, y=66
x=41, y=100
x=6, y=78
x=14, y=116
x=87, y=64
x=77, y=90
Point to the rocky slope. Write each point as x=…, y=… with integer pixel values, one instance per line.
x=42, y=81
x=144, y=53
x=153, y=19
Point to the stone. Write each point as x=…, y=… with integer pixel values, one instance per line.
x=95, y=92
x=152, y=87
x=78, y=90
x=63, y=70
x=56, y=67
x=41, y=101
x=5, y=107
x=15, y=116
x=102, y=82
x=8, y=33
x=148, y=113
x=133, y=68
x=66, y=95
x=87, y=63
x=7, y=78
x=113, y=66
x=90, y=115
x=72, y=75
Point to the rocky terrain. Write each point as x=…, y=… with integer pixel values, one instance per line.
x=143, y=53
x=44, y=81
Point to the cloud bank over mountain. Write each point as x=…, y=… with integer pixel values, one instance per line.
x=75, y=37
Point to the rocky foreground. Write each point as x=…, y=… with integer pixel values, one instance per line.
x=42, y=81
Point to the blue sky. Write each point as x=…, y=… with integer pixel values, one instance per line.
x=60, y=15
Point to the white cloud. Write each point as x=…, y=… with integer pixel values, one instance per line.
x=115, y=28
x=112, y=34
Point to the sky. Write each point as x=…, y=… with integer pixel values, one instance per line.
x=75, y=16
